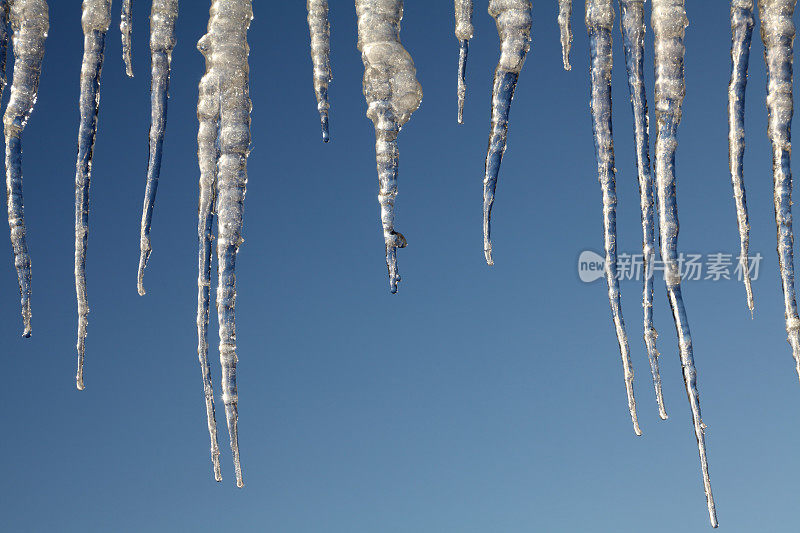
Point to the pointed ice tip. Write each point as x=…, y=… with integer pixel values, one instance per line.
x=326, y=136
x=26, y=333
x=240, y=483
x=79, y=383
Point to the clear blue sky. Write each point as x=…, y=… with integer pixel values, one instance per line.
x=477, y=399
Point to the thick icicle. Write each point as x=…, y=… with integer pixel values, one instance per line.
x=742, y=22
x=513, y=19
x=599, y=23
x=633, y=30
x=30, y=23
x=777, y=32
x=669, y=26
x=163, y=15
x=125, y=28
x=565, y=26
x=320, y=30
x=393, y=94
x=95, y=21
x=224, y=109
x=464, y=29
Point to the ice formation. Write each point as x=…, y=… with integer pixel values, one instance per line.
x=513, y=19
x=392, y=93
x=565, y=26
x=163, y=15
x=632, y=23
x=30, y=23
x=464, y=29
x=669, y=23
x=125, y=28
x=320, y=30
x=223, y=110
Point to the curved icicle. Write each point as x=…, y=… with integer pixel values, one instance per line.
x=633, y=30
x=96, y=20
x=599, y=23
x=392, y=93
x=320, y=30
x=464, y=30
x=513, y=19
x=224, y=145
x=30, y=23
x=565, y=26
x=777, y=33
x=125, y=28
x=742, y=22
x=163, y=15
x=669, y=26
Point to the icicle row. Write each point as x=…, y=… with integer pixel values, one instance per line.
x=320, y=30
x=464, y=30
x=30, y=23
x=633, y=30
x=742, y=22
x=513, y=19
x=392, y=93
x=163, y=15
x=125, y=28
x=599, y=23
x=669, y=26
x=565, y=26
x=96, y=20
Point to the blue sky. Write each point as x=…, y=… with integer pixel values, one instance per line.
x=477, y=399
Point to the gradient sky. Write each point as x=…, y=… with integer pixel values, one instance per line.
x=477, y=399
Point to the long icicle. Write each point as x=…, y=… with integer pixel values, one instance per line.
x=207, y=154
x=565, y=27
x=600, y=23
x=226, y=48
x=633, y=30
x=513, y=19
x=125, y=28
x=777, y=33
x=320, y=30
x=163, y=15
x=95, y=21
x=742, y=22
x=30, y=23
x=669, y=27
x=392, y=93
x=464, y=30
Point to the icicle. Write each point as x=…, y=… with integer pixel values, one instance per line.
x=224, y=144
x=669, y=26
x=565, y=25
x=162, y=41
x=125, y=28
x=513, y=19
x=95, y=21
x=393, y=94
x=599, y=23
x=30, y=23
x=633, y=30
x=777, y=32
x=320, y=30
x=464, y=29
x=742, y=22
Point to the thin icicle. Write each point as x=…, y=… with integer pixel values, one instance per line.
x=565, y=26
x=125, y=28
x=633, y=30
x=95, y=21
x=669, y=26
x=513, y=19
x=393, y=94
x=163, y=15
x=777, y=32
x=742, y=22
x=600, y=23
x=224, y=110
x=464, y=29
x=320, y=30
x=30, y=23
